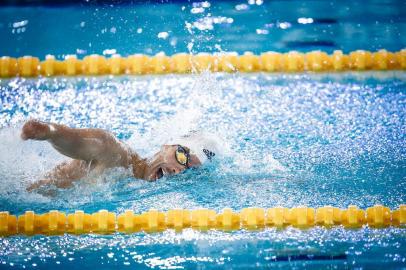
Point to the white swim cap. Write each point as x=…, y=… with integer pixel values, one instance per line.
x=203, y=145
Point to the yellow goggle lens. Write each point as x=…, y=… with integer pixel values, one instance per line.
x=181, y=157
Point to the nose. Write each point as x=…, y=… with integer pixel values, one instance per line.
x=175, y=170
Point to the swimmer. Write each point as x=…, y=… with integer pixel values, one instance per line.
x=95, y=150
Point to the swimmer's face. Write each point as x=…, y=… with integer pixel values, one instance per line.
x=165, y=163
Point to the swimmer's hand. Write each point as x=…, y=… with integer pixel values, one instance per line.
x=37, y=185
x=35, y=130
x=40, y=187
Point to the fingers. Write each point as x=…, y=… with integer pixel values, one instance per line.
x=32, y=187
x=45, y=192
x=37, y=184
x=35, y=130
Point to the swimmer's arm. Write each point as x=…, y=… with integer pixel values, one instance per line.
x=63, y=175
x=90, y=145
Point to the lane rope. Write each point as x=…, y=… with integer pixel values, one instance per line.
x=138, y=64
x=253, y=218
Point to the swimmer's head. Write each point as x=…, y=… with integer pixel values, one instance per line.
x=187, y=152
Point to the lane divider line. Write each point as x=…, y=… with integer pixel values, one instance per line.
x=139, y=64
x=253, y=218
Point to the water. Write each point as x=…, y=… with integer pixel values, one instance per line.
x=296, y=139
x=290, y=140
x=205, y=26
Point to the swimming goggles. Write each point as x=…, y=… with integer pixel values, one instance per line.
x=182, y=156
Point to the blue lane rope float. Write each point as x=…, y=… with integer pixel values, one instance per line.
x=254, y=218
x=137, y=64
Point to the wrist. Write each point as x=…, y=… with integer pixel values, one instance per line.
x=51, y=130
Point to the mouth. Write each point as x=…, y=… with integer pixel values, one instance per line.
x=159, y=173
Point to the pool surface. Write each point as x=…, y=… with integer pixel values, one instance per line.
x=202, y=26
x=300, y=140
x=289, y=139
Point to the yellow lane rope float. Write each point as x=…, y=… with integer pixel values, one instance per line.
x=104, y=222
x=316, y=61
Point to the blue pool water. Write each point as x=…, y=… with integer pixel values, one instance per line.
x=181, y=26
x=289, y=140
x=300, y=140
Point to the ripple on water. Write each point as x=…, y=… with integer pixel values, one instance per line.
x=289, y=140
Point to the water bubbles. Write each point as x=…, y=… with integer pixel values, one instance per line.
x=163, y=35
x=190, y=46
x=208, y=22
x=241, y=7
x=305, y=20
x=292, y=139
x=204, y=4
x=173, y=41
x=109, y=52
x=284, y=25
x=19, y=27
x=81, y=51
x=196, y=10
x=20, y=24
x=262, y=32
